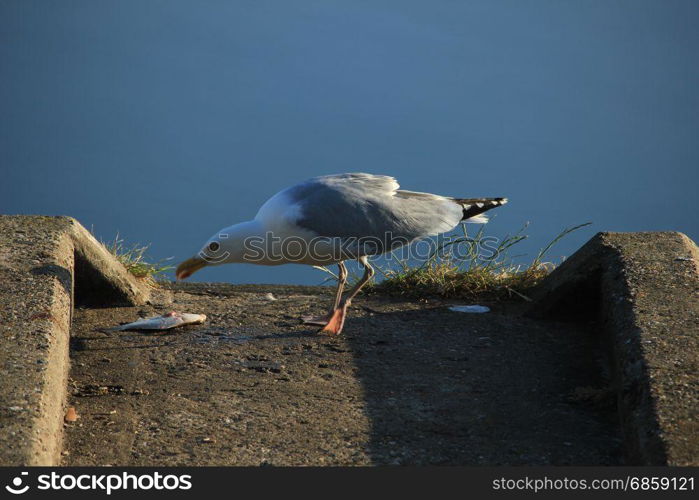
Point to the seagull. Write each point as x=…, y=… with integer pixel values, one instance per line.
x=333, y=218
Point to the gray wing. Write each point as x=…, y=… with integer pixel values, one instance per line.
x=365, y=205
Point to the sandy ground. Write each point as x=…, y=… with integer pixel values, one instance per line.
x=406, y=383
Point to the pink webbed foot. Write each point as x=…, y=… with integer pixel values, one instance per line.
x=336, y=322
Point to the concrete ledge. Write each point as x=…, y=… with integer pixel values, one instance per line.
x=100, y=279
x=43, y=260
x=643, y=288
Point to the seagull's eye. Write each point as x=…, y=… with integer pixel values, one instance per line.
x=214, y=246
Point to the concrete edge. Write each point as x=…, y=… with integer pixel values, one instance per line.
x=101, y=279
x=44, y=262
x=644, y=288
x=48, y=427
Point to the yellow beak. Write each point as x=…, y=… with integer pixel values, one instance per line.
x=189, y=267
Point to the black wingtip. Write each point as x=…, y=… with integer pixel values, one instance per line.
x=476, y=206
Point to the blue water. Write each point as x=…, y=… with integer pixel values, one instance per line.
x=167, y=120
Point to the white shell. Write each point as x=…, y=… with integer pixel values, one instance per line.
x=470, y=309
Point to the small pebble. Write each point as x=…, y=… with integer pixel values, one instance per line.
x=71, y=415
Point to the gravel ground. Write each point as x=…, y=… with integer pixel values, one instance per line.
x=406, y=383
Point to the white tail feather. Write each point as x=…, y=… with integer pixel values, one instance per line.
x=478, y=219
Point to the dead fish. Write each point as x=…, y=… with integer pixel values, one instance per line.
x=172, y=319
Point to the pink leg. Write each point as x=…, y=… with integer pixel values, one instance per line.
x=323, y=320
x=337, y=318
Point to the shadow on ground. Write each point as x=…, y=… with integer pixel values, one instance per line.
x=447, y=388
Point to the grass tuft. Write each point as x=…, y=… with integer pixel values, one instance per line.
x=452, y=275
x=134, y=259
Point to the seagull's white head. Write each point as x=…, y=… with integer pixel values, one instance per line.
x=226, y=246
